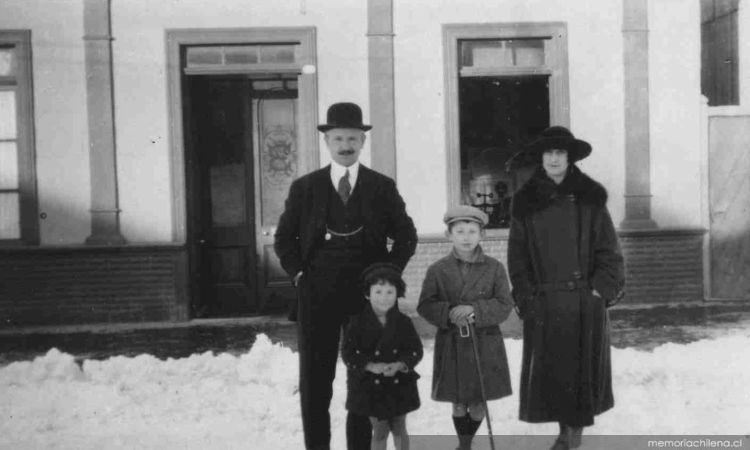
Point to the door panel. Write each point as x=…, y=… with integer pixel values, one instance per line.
x=729, y=192
x=224, y=261
x=275, y=120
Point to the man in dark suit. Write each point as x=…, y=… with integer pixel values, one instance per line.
x=336, y=222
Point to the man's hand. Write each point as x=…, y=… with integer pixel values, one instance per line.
x=461, y=315
x=375, y=367
x=297, y=277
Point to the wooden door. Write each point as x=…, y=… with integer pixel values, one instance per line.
x=729, y=197
x=222, y=211
x=276, y=151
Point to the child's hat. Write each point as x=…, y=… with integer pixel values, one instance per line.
x=465, y=213
x=381, y=268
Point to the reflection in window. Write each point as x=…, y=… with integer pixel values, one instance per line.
x=497, y=116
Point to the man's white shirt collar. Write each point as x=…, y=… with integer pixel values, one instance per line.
x=338, y=171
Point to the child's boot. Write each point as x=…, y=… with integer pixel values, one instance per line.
x=461, y=425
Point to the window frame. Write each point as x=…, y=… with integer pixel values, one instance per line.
x=556, y=66
x=22, y=83
x=720, y=87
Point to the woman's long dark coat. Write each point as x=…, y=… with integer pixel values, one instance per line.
x=367, y=340
x=485, y=287
x=562, y=246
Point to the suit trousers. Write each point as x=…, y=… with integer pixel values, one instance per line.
x=324, y=309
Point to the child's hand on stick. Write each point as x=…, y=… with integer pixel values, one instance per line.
x=461, y=315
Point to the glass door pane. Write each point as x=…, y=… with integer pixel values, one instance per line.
x=10, y=227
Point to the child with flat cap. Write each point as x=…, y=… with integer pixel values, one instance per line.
x=380, y=350
x=467, y=286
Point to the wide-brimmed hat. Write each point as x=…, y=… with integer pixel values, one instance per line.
x=465, y=213
x=344, y=115
x=560, y=138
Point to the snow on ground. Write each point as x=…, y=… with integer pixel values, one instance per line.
x=250, y=401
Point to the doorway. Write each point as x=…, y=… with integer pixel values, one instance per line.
x=243, y=115
x=242, y=156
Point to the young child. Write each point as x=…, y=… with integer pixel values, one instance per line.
x=381, y=348
x=467, y=286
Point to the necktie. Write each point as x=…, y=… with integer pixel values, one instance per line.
x=345, y=188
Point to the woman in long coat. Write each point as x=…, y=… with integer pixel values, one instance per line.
x=566, y=269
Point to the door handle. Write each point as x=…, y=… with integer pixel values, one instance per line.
x=269, y=232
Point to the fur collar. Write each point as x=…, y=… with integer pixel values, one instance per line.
x=540, y=191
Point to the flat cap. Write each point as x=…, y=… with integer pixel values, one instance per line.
x=465, y=213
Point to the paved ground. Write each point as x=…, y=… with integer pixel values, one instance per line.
x=643, y=327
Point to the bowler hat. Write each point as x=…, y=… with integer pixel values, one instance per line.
x=557, y=137
x=344, y=115
x=465, y=213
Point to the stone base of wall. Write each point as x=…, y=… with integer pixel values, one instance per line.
x=77, y=285
x=661, y=266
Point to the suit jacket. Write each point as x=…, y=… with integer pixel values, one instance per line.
x=302, y=225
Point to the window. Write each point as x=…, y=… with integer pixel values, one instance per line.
x=505, y=84
x=719, y=54
x=18, y=222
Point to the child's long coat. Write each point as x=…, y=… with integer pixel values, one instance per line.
x=454, y=376
x=367, y=340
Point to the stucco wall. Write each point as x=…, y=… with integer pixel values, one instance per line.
x=595, y=78
x=61, y=127
x=141, y=114
x=674, y=69
x=141, y=90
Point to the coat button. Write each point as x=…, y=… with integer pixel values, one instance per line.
x=357, y=352
x=571, y=285
x=377, y=352
x=414, y=353
x=377, y=381
x=577, y=275
x=395, y=351
x=395, y=381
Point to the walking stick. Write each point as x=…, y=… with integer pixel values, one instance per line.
x=472, y=332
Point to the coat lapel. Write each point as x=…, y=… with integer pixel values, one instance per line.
x=320, y=197
x=477, y=270
x=365, y=187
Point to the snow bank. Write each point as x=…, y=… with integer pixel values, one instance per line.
x=251, y=400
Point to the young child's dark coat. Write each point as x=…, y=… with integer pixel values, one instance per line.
x=367, y=340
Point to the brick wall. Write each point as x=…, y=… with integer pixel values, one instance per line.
x=660, y=265
x=51, y=286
